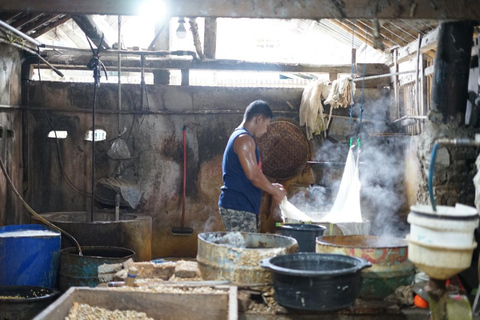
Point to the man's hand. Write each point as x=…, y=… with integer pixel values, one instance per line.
x=279, y=193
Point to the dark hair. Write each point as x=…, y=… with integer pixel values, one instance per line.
x=258, y=107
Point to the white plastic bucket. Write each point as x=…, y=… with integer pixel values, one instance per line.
x=441, y=243
x=449, y=227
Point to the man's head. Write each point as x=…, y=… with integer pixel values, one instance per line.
x=258, y=114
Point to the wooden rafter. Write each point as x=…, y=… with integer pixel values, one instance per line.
x=50, y=26
x=43, y=21
x=358, y=33
x=28, y=18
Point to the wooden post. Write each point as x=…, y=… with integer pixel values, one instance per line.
x=452, y=69
x=423, y=87
x=395, y=83
x=196, y=37
x=417, y=95
x=161, y=77
x=185, y=77
x=210, y=38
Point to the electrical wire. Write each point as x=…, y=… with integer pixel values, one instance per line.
x=42, y=219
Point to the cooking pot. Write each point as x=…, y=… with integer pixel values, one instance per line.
x=314, y=281
x=388, y=255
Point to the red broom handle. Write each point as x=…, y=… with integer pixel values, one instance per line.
x=184, y=173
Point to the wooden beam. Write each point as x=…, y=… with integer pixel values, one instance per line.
x=210, y=38
x=428, y=42
x=75, y=61
x=50, y=26
x=45, y=20
x=306, y=9
x=196, y=37
x=30, y=17
x=92, y=31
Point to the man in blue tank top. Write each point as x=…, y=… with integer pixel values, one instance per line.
x=243, y=179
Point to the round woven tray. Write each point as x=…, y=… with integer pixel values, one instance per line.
x=284, y=150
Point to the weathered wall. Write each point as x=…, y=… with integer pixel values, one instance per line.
x=209, y=114
x=454, y=167
x=10, y=134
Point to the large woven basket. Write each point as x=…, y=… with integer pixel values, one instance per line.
x=284, y=150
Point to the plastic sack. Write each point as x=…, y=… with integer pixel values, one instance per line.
x=119, y=150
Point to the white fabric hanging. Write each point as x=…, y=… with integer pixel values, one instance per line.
x=291, y=212
x=346, y=207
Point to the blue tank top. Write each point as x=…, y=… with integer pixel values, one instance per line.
x=238, y=193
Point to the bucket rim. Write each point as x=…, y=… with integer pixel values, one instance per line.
x=446, y=212
x=52, y=293
x=73, y=251
x=323, y=240
x=302, y=227
x=28, y=227
x=357, y=265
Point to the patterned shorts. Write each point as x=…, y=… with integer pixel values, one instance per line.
x=235, y=220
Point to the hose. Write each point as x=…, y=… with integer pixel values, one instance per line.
x=431, y=170
x=25, y=204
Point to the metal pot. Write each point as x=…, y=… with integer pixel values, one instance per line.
x=390, y=266
x=315, y=282
x=221, y=259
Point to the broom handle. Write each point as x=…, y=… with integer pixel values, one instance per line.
x=184, y=172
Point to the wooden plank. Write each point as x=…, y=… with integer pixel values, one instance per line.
x=156, y=305
x=428, y=42
x=110, y=60
x=306, y=9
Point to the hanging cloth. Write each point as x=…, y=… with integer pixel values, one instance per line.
x=291, y=212
x=346, y=207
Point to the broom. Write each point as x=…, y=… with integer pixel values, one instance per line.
x=182, y=230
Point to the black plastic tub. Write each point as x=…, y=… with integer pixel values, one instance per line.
x=315, y=281
x=24, y=302
x=305, y=234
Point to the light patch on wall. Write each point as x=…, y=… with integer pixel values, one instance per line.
x=100, y=135
x=58, y=134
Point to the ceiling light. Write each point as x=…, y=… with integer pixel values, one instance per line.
x=181, y=31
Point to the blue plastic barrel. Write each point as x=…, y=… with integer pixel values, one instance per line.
x=28, y=256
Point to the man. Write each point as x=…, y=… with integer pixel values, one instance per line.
x=243, y=180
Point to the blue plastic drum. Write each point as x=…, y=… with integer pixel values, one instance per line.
x=29, y=255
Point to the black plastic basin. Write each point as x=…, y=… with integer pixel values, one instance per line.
x=315, y=281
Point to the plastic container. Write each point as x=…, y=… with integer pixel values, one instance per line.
x=441, y=243
x=449, y=226
x=305, y=234
x=314, y=281
x=29, y=255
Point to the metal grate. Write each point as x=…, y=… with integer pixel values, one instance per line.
x=284, y=150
